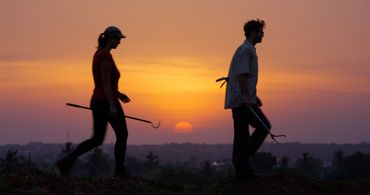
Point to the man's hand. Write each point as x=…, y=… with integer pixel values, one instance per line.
x=247, y=105
x=259, y=102
x=124, y=98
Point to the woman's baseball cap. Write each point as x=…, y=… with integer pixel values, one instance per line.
x=113, y=31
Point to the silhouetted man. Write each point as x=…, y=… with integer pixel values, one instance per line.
x=243, y=76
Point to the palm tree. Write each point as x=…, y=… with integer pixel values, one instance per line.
x=309, y=165
x=338, y=158
x=65, y=150
x=151, y=160
x=284, y=162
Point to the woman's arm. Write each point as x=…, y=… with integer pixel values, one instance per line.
x=106, y=71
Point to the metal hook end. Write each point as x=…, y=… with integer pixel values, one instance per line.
x=225, y=79
x=156, y=126
x=221, y=79
x=279, y=135
x=273, y=137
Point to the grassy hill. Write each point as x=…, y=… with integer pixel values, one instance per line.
x=39, y=182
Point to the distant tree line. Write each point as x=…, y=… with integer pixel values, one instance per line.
x=354, y=167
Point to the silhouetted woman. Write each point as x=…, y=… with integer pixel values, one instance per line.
x=105, y=104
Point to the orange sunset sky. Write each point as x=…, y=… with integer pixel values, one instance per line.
x=314, y=68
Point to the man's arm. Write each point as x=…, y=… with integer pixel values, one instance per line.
x=243, y=83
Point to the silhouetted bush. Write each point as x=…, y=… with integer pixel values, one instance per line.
x=264, y=162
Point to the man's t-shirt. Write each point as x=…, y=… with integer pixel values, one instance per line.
x=244, y=61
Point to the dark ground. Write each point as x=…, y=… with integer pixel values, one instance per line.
x=41, y=182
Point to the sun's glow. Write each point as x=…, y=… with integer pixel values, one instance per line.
x=183, y=127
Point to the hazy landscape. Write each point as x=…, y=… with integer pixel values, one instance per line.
x=183, y=168
x=177, y=152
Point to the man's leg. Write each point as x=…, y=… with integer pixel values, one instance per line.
x=260, y=133
x=241, y=139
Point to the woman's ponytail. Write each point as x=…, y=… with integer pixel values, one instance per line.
x=101, y=41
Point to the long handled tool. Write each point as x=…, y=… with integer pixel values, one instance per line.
x=226, y=80
x=130, y=117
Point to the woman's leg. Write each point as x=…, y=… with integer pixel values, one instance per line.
x=100, y=128
x=120, y=129
x=100, y=125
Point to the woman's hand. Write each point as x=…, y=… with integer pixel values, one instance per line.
x=113, y=110
x=124, y=98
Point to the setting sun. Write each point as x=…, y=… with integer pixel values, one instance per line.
x=183, y=127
